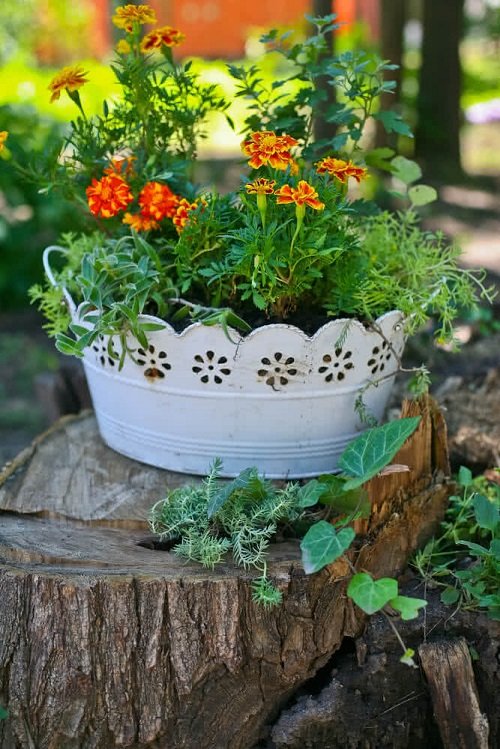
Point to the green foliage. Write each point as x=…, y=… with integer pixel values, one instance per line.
x=289, y=243
x=371, y=451
x=288, y=105
x=3, y=713
x=369, y=594
x=210, y=519
x=400, y=267
x=28, y=219
x=464, y=559
x=322, y=545
x=207, y=520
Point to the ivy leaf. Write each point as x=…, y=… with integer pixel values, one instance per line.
x=486, y=512
x=407, y=606
x=322, y=545
x=406, y=170
x=369, y=594
x=220, y=498
x=3, y=713
x=374, y=449
x=309, y=494
x=422, y=195
x=351, y=501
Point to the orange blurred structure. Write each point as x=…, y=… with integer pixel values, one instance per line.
x=220, y=28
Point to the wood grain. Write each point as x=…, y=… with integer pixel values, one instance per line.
x=105, y=643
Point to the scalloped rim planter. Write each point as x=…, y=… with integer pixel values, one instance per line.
x=276, y=398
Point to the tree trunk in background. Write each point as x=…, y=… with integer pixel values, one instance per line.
x=322, y=129
x=392, y=20
x=438, y=105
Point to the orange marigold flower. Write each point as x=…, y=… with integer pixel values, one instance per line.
x=340, y=169
x=181, y=217
x=261, y=186
x=121, y=165
x=157, y=201
x=266, y=147
x=302, y=195
x=127, y=15
x=108, y=196
x=3, y=137
x=139, y=222
x=164, y=36
x=71, y=78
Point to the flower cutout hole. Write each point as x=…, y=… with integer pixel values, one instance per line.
x=380, y=356
x=105, y=351
x=154, y=362
x=211, y=368
x=336, y=366
x=278, y=370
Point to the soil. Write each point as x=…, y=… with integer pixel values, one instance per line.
x=365, y=698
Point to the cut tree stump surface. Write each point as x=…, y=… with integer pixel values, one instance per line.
x=105, y=643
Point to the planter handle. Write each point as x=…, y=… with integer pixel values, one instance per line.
x=50, y=275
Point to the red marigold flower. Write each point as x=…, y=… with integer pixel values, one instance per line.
x=261, y=186
x=302, y=195
x=108, y=196
x=3, y=137
x=340, y=169
x=71, y=78
x=181, y=217
x=266, y=147
x=127, y=15
x=139, y=223
x=157, y=201
x=164, y=36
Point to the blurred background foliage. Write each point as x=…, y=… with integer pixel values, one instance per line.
x=37, y=37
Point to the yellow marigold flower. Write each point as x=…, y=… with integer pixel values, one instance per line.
x=3, y=137
x=108, y=196
x=127, y=15
x=139, y=222
x=123, y=47
x=302, y=195
x=340, y=169
x=266, y=147
x=70, y=78
x=164, y=36
x=261, y=186
x=157, y=201
x=181, y=217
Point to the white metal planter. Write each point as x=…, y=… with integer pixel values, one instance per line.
x=276, y=398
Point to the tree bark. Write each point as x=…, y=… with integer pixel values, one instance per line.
x=440, y=80
x=106, y=643
x=392, y=21
x=448, y=668
x=324, y=130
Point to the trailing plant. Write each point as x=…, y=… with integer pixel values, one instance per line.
x=206, y=521
x=464, y=558
x=291, y=245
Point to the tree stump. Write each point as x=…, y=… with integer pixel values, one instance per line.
x=107, y=643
